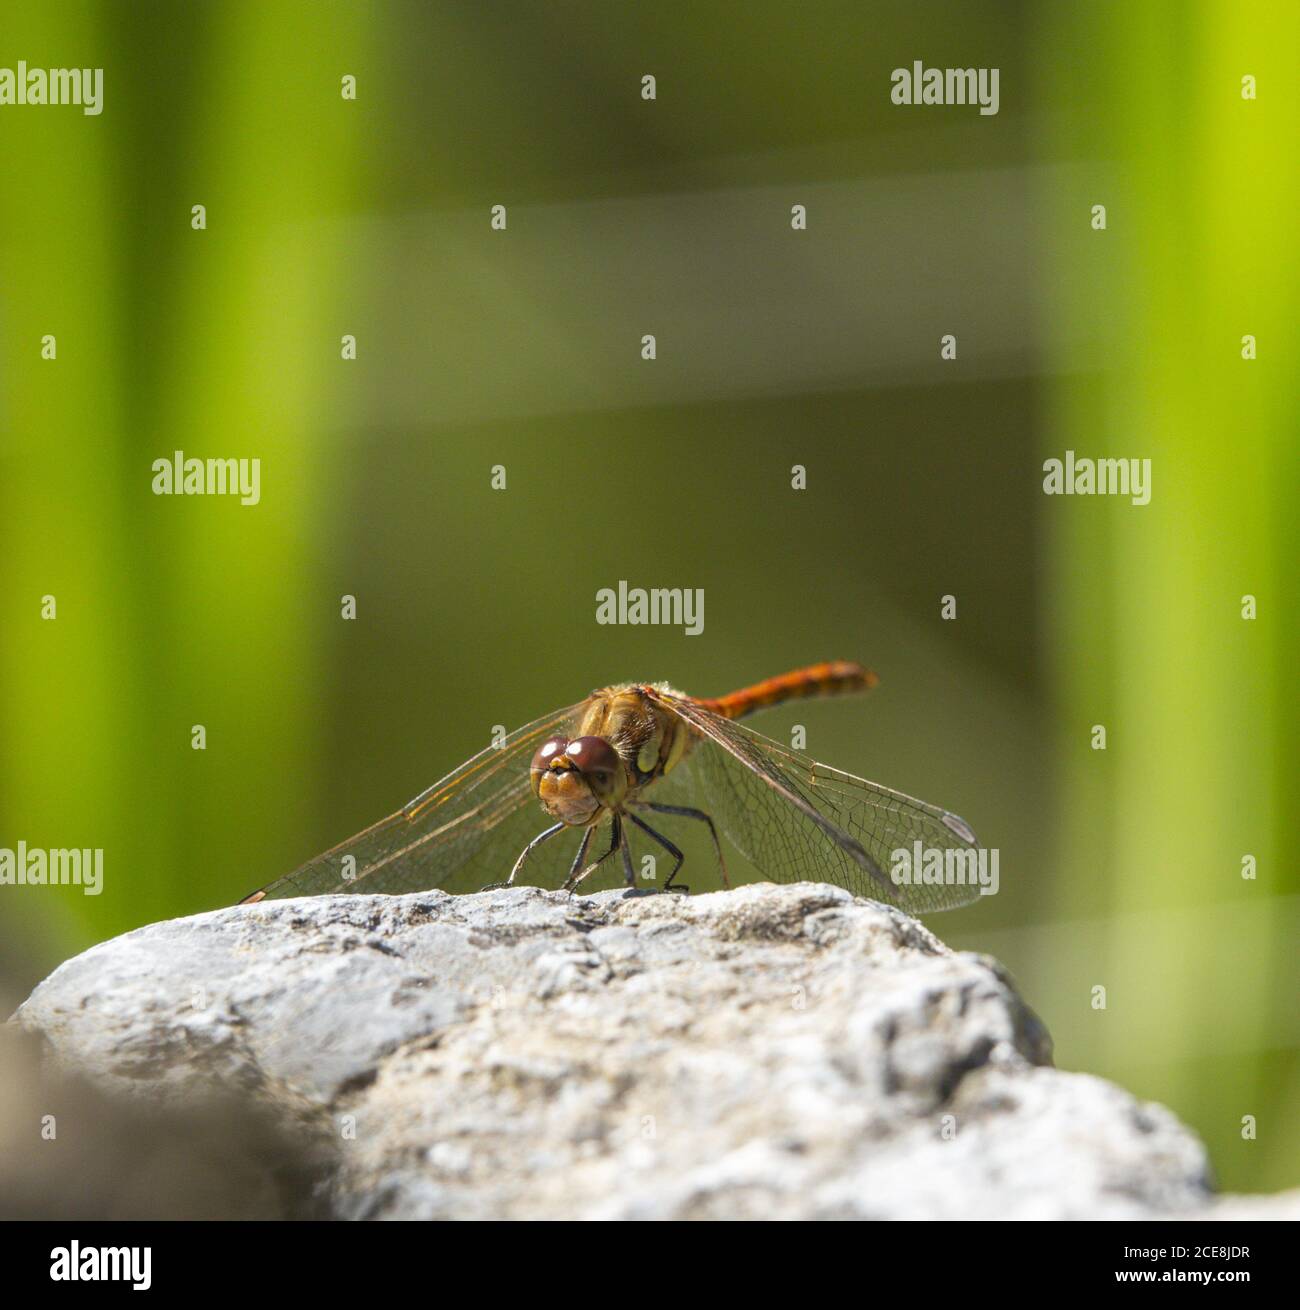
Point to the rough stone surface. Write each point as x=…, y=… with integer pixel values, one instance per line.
x=765, y=1052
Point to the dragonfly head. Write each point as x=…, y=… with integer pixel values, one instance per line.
x=576, y=779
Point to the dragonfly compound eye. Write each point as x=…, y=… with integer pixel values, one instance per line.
x=594, y=756
x=600, y=765
x=549, y=751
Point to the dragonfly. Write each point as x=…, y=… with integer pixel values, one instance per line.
x=628, y=761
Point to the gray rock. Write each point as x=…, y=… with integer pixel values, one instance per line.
x=767, y=1052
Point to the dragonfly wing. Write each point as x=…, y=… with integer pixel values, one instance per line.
x=795, y=819
x=479, y=817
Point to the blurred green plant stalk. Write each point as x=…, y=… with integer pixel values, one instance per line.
x=1144, y=606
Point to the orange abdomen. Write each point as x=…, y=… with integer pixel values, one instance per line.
x=832, y=679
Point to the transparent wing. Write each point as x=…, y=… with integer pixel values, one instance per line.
x=795, y=819
x=474, y=822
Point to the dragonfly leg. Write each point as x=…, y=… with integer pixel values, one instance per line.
x=686, y=812
x=582, y=852
x=669, y=847
x=628, y=876
x=523, y=855
x=616, y=837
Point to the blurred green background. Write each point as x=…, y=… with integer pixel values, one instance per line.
x=521, y=348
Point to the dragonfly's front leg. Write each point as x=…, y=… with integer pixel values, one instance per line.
x=616, y=839
x=523, y=855
x=581, y=855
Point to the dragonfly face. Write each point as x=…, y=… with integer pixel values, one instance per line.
x=591, y=766
x=576, y=781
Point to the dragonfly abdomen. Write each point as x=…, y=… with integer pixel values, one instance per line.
x=835, y=678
